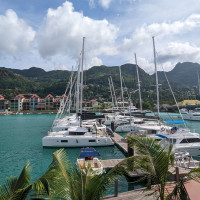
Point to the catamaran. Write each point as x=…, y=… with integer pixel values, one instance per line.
x=71, y=131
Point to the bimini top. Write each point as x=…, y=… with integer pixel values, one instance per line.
x=88, y=152
x=175, y=122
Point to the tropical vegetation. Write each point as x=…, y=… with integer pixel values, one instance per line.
x=183, y=79
x=64, y=181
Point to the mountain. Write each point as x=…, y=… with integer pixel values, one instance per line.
x=183, y=73
x=29, y=73
x=96, y=86
x=12, y=84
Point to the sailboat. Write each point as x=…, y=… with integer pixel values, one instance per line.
x=76, y=133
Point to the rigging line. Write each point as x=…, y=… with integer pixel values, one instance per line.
x=62, y=102
x=173, y=95
x=66, y=101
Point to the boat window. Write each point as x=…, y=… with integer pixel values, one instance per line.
x=92, y=140
x=173, y=141
x=153, y=131
x=64, y=140
x=76, y=133
x=190, y=140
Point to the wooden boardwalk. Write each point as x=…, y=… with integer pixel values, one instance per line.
x=133, y=195
x=120, y=142
x=109, y=164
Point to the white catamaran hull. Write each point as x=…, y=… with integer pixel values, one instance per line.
x=74, y=141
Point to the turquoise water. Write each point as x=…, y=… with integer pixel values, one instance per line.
x=21, y=140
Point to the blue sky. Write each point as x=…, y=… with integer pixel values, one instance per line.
x=48, y=33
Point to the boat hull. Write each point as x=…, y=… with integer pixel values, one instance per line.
x=74, y=141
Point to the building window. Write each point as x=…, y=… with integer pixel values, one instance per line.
x=64, y=140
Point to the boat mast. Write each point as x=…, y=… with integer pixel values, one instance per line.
x=70, y=91
x=115, y=99
x=122, y=93
x=157, y=86
x=109, y=81
x=138, y=78
x=82, y=63
x=78, y=90
x=198, y=82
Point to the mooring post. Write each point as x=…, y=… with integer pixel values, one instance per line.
x=130, y=150
x=116, y=187
x=112, y=126
x=177, y=174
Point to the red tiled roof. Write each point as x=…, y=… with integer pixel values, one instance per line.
x=35, y=96
x=64, y=96
x=93, y=100
x=49, y=96
x=20, y=96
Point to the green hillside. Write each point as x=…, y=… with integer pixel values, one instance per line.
x=36, y=80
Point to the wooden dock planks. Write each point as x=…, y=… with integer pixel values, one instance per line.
x=134, y=195
x=108, y=164
x=120, y=142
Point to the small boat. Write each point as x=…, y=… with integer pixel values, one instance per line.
x=192, y=115
x=88, y=157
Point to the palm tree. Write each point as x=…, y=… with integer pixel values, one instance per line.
x=153, y=160
x=62, y=181
x=17, y=188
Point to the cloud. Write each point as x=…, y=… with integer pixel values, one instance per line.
x=63, y=29
x=95, y=61
x=145, y=32
x=15, y=34
x=179, y=51
x=92, y=3
x=105, y=3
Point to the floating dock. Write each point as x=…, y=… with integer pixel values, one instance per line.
x=109, y=164
x=120, y=142
x=140, y=194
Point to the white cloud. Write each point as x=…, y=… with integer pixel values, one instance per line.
x=92, y=3
x=95, y=61
x=105, y=3
x=64, y=28
x=145, y=32
x=179, y=51
x=15, y=34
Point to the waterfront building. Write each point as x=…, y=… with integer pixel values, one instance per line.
x=92, y=103
x=49, y=101
x=189, y=102
x=41, y=104
x=56, y=103
x=26, y=105
x=16, y=104
x=34, y=100
x=3, y=104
